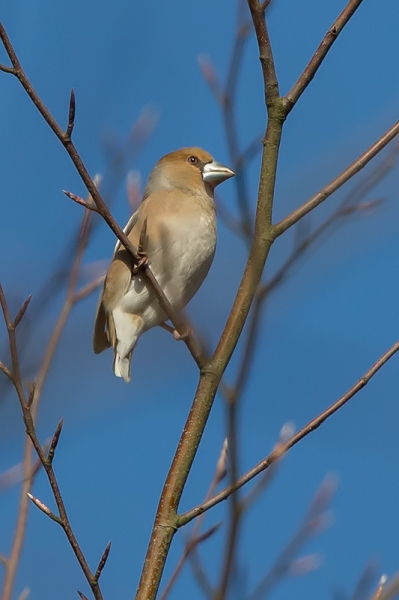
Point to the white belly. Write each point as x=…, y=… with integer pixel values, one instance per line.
x=180, y=263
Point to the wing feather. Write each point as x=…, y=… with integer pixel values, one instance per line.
x=116, y=284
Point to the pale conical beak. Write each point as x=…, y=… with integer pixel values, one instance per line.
x=214, y=173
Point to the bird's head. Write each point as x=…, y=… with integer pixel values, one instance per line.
x=191, y=169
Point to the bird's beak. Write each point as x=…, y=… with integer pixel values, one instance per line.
x=214, y=173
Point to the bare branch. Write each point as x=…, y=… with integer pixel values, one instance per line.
x=24, y=594
x=336, y=183
x=88, y=289
x=188, y=550
x=387, y=589
x=300, y=86
x=311, y=426
x=102, y=208
x=311, y=525
x=265, y=4
x=6, y=371
x=80, y=201
x=195, y=538
x=166, y=520
x=31, y=394
x=226, y=98
x=6, y=69
x=22, y=311
x=29, y=418
x=102, y=562
x=71, y=114
x=54, y=441
x=221, y=466
x=3, y=559
x=265, y=52
x=285, y=433
x=209, y=73
x=253, y=148
x=41, y=506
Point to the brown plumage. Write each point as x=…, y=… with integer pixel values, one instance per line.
x=179, y=220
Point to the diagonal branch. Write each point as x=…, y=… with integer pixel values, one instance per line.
x=47, y=464
x=30, y=408
x=336, y=183
x=300, y=86
x=166, y=518
x=102, y=208
x=305, y=431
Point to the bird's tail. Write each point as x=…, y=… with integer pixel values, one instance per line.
x=122, y=366
x=127, y=330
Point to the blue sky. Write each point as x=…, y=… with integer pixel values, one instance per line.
x=322, y=329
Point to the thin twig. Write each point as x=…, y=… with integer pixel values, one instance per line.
x=336, y=183
x=267, y=476
x=45, y=509
x=3, y=559
x=312, y=523
x=80, y=201
x=265, y=4
x=191, y=545
x=71, y=114
x=300, y=86
x=387, y=589
x=22, y=311
x=237, y=158
x=102, y=208
x=265, y=53
x=88, y=289
x=28, y=419
x=188, y=550
x=350, y=205
x=117, y=164
x=166, y=521
x=30, y=412
x=233, y=393
x=54, y=441
x=103, y=561
x=24, y=594
x=305, y=431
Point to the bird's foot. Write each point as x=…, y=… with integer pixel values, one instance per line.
x=178, y=336
x=143, y=262
x=182, y=336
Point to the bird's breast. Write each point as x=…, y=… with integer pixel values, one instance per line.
x=184, y=255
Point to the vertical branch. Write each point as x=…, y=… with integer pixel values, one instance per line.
x=166, y=520
x=28, y=418
x=265, y=53
x=30, y=406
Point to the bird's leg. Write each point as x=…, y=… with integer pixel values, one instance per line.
x=178, y=336
x=143, y=262
x=142, y=254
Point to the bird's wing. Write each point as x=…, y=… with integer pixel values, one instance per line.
x=128, y=228
x=100, y=337
x=115, y=286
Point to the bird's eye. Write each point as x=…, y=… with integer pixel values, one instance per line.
x=193, y=160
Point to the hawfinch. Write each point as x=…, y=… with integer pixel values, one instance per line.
x=175, y=227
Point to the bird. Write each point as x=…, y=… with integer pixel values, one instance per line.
x=174, y=228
